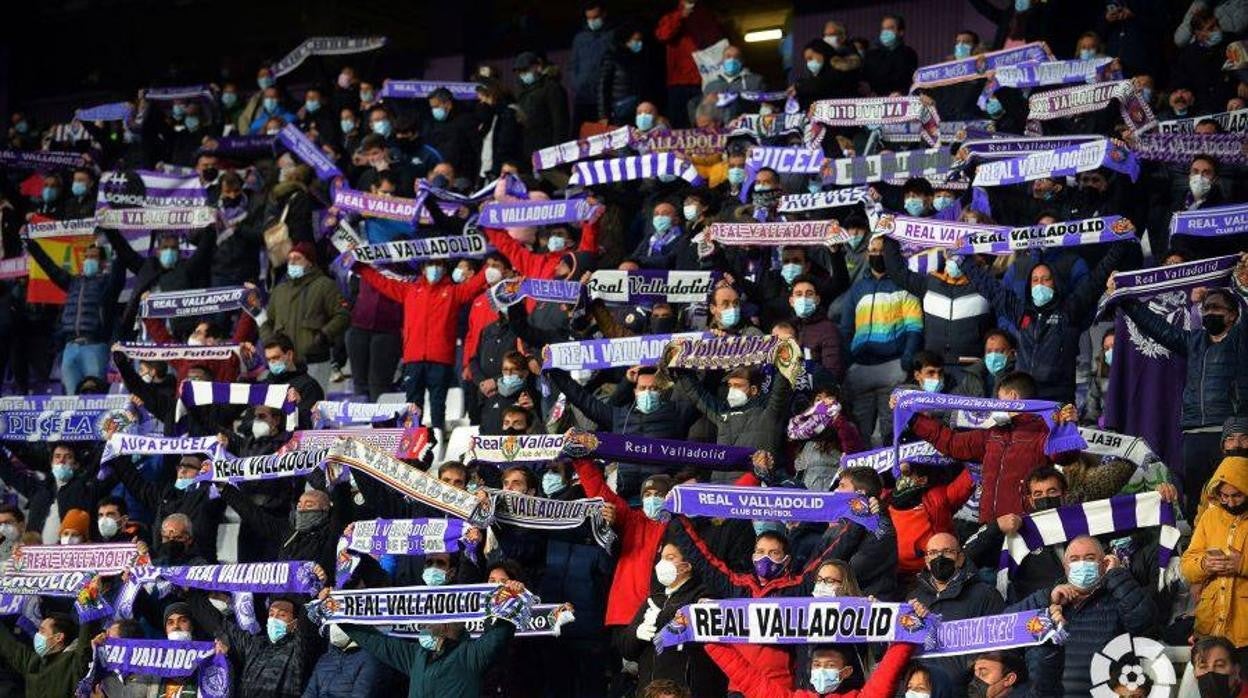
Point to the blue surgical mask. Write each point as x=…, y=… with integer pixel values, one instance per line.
x=729, y=317
x=915, y=206
x=961, y=50
x=264, y=83
x=433, y=274
x=691, y=212
x=953, y=269
x=888, y=37
x=647, y=401
x=168, y=257
x=1022, y=5
x=40, y=644
x=941, y=203
x=509, y=384
x=790, y=272
x=191, y=122
x=90, y=266
x=1084, y=573
x=178, y=110
x=278, y=367
x=439, y=113
x=635, y=46
x=276, y=629
x=662, y=223
x=804, y=307
x=295, y=271
x=78, y=188
x=49, y=194
x=270, y=104
x=736, y=175
x=995, y=361
x=528, y=77
x=814, y=66
x=931, y=385
x=366, y=96
x=62, y=472
x=1041, y=295
x=645, y=121
x=347, y=125
x=732, y=66
x=22, y=126
x=994, y=108
x=825, y=680
x=814, y=187
x=382, y=127
x=1146, y=94
x=1087, y=54
x=229, y=99
x=1109, y=356
x=1214, y=38
x=552, y=483
x=458, y=275
x=183, y=483
x=427, y=640
x=652, y=506
x=556, y=243
x=312, y=105
x=433, y=577
x=594, y=24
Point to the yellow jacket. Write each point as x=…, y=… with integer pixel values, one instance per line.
x=1223, y=605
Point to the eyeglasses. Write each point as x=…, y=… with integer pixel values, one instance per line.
x=828, y=580
x=931, y=554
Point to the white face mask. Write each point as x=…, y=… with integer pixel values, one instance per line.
x=825, y=590
x=67, y=539
x=737, y=397
x=260, y=429
x=1001, y=418
x=180, y=635
x=1200, y=185
x=493, y=275
x=108, y=526
x=338, y=637
x=220, y=604
x=665, y=571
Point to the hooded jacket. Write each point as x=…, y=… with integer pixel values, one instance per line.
x=1222, y=608
x=430, y=312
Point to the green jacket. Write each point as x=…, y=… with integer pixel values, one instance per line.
x=55, y=675
x=311, y=311
x=454, y=672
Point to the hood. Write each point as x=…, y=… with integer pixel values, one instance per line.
x=1234, y=471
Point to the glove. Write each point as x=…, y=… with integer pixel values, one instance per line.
x=648, y=627
x=646, y=632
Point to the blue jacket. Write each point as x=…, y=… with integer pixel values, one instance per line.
x=455, y=671
x=1217, y=372
x=589, y=48
x=351, y=673
x=88, y=299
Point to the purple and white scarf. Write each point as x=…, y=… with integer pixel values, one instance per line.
x=452, y=603
x=595, y=354
x=392, y=208
x=50, y=425
x=1230, y=121
x=1081, y=99
x=627, y=169
x=508, y=292
x=729, y=352
x=783, y=159
x=1059, y=162
x=420, y=89
x=533, y=213
x=875, y=111
x=377, y=537
x=119, y=445
x=410, y=444
x=1038, y=74
x=237, y=471
x=1002, y=240
x=14, y=267
x=166, y=659
x=951, y=131
x=83, y=587
x=903, y=164
x=1114, y=445
x=726, y=98
x=515, y=448
x=798, y=621
x=761, y=126
x=39, y=403
x=572, y=151
x=40, y=159
x=150, y=188
x=179, y=93
x=1062, y=437
x=107, y=559
x=1120, y=513
x=176, y=352
x=1230, y=219
x=889, y=459
x=1145, y=283
x=172, y=218
x=930, y=232
x=1017, y=146
x=976, y=67
x=1180, y=148
x=690, y=142
x=795, y=203
x=648, y=286
x=421, y=249
x=783, y=234
x=113, y=111
x=643, y=450
x=204, y=393
x=241, y=146
x=543, y=622
x=770, y=504
x=545, y=514
x=998, y=632
x=197, y=302
x=325, y=46
x=343, y=413
x=307, y=153
x=54, y=229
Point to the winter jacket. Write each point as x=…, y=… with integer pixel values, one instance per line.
x=237, y=257
x=456, y=140
x=688, y=667
x=163, y=499
x=744, y=81
x=1048, y=337
x=376, y=313
x=149, y=275
x=955, y=315
x=888, y=70
x=1117, y=605
x=349, y=673
x=318, y=544
x=1007, y=453
x=670, y=421
x=624, y=80
x=1039, y=570
x=881, y=683
x=223, y=370
x=539, y=265
x=1217, y=383
x=934, y=514
x=430, y=312
x=81, y=491
x=88, y=311
x=578, y=571
x=310, y=311
x=589, y=48
x=265, y=669
x=54, y=675
x=759, y=423
x=480, y=314
x=1199, y=68
x=881, y=321
x=502, y=133
x=455, y=671
x=543, y=113
x=966, y=596
x=1221, y=609
x=640, y=539
x=684, y=35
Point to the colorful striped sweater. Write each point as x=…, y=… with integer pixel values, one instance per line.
x=881, y=321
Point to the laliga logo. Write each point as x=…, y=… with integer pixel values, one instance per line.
x=1132, y=666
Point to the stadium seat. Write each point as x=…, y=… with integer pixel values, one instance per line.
x=459, y=442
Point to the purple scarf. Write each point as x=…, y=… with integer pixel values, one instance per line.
x=421, y=89
x=977, y=67
x=307, y=152
x=1062, y=437
x=533, y=213
x=1059, y=162
x=166, y=659
x=377, y=537
x=1211, y=222
x=770, y=504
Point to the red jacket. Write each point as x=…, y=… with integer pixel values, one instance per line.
x=1007, y=453
x=934, y=515
x=640, y=539
x=753, y=683
x=480, y=314
x=430, y=311
x=223, y=370
x=683, y=36
x=540, y=265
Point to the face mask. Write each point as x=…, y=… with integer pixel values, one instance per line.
x=1200, y=185
x=995, y=361
x=645, y=121
x=78, y=188
x=181, y=635
x=1214, y=38
x=961, y=50
x=295, y=271
x=556, y=243
x=732, y=66
x=877, y=263
x=229, y=99
x=62, y=472
x=41, y=645
x=931, y=385
x=594, y=24
x=312, y=105
x=1214, y=685
x=665, y=571
x=338, y=637
x=691, y=212
x=652, y=507
x=635, y=46
x=277, y=368
x=953, y=269
x=941, y=203
x=433, y=577
x=192, y=123
x=222, y=606
x=184, y=482
x=347, y=125
x=308, y=520
x=433, y=274
x=736, y=175
x=814, y=66
x=729, y=317
x=382, y=127
x=493, y=275
x=276, y=629
x=888, y=37
x=942, y=568
x=508, y=385
x=1022, y=5
x=458, y=274
x=833, y=40
x=854, y=240
x=168, y=257
x=1046, y=503
x=67, y=539
x=1041, y=295
x=1213, y=324
x=994, y=108
x=825, y=680
x=528, y=78
x=49, y=194
x=261, y=429
x=427, y=640
x=1109, y=357
x=825, y=590
x=270, y=104
x=915, y=207
x=8, y=532
x=366, y=96
x=737, y=397
x=552, y=483
x=647, y=401
x=90, y=267
x=271, y=131
x=107, y=526
x=804, y=307
x=1146, y=94
x=1084, y=573
x=790, y=272
x=767, y=568
x=1087, y=54
x=439, y=113
x=22, y=127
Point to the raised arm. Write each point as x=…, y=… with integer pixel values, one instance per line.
x=702, y=399
x=524, y=260
x=124, y=253
x=399, y=654
x=1155, y=326
x=393, y=289
x=59, y=276
x=753, y=681
x=1082, y=301
x=896, y=269
x=481, y=652
x=1004, y=301
x=712, y=570
x=593, y=408
x=966, y=445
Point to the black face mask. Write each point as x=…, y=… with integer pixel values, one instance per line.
x=231, y=201
x=943, y=568
x=877, y=263
x=663, y=325
x=513, y=430
x=978, y=688
x=1213, y=324
x=174, y=549
x=210, y=174
x=439, y=182
x=1236, y=453
x=1238, y=509
x=1046, y=503
x=1214, y=685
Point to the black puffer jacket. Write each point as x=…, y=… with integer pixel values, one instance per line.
x=151, y=276
x=318, y=544
x=688, y=667
x=163, y=499
x=966, y=597
x=759, y=423
x=264, y=669
x=955, y=315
